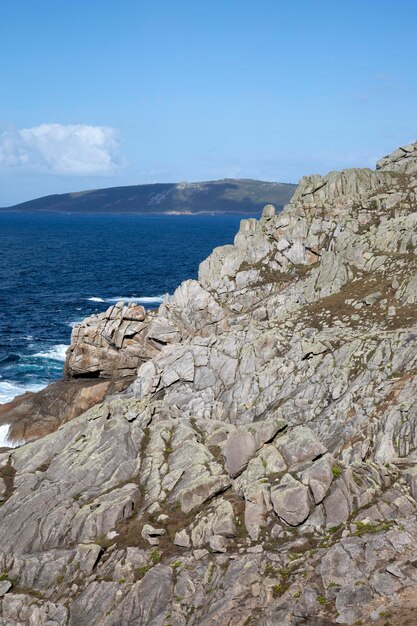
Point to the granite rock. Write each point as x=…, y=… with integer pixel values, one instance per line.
x=260, y=464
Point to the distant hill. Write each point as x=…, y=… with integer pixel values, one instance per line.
x=218, y=196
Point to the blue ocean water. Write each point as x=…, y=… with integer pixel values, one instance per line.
x=57, y=269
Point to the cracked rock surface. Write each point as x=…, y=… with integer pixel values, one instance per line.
x=261, y=468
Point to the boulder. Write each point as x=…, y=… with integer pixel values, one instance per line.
x=89, y=554
x=152, y=534
x=300, y=445
x=218, y=543
x=224, y=523
x=240, y=447
x=182, y=539
x=290, y=501
x=319, y=477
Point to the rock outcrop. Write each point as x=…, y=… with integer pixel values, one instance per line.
x=262, y=466
x=34, y=415
x=102, y=359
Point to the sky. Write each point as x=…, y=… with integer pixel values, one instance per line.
x=100, y=93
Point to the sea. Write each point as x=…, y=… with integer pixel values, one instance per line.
x=57, y=269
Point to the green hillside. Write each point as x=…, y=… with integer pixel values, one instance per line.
x=220, y=196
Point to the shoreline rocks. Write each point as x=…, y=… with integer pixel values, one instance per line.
x=260, y=467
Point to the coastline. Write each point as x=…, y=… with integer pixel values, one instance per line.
x=59, y=253
x=255, y=214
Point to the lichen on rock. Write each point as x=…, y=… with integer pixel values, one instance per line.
x=259, y=466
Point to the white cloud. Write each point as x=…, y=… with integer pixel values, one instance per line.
x=76, y=149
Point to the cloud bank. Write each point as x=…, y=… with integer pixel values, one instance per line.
x=76, y=149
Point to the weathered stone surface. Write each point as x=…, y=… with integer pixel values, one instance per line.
x=338, y=567
x=5, y=585
x=35, y=415
x=147, y=602
x=271, y=427
x=349, y=602
x=290, y=501
x=109, y=508
x=92, y=604
x=218, y=543
x=338, y=505
x=182, y=539
x=300, y=445
x=111, y=344
x=239, y=449
x=89, y=554
x=152, y=534
x=224, y=523
x=403, y=159
x=411, y=478
x=201, y=492
x=319, y=477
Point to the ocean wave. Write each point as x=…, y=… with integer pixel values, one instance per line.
x=56, y=353
x=10, y=358
x=9, y=390
x=138, y=299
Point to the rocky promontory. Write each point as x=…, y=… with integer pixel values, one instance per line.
x=260, y=465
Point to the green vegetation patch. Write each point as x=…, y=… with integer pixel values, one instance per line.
x=336, y=471
x=363, y=528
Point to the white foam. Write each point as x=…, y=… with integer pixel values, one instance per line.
x=139, y=299
x=4, y=437
x=9, y=390
x=73, y=324
x=56, y=353
x=145, y=299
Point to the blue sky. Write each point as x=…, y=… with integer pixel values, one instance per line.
x=100, y=93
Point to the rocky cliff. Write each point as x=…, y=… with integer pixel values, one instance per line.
x=261, y=468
